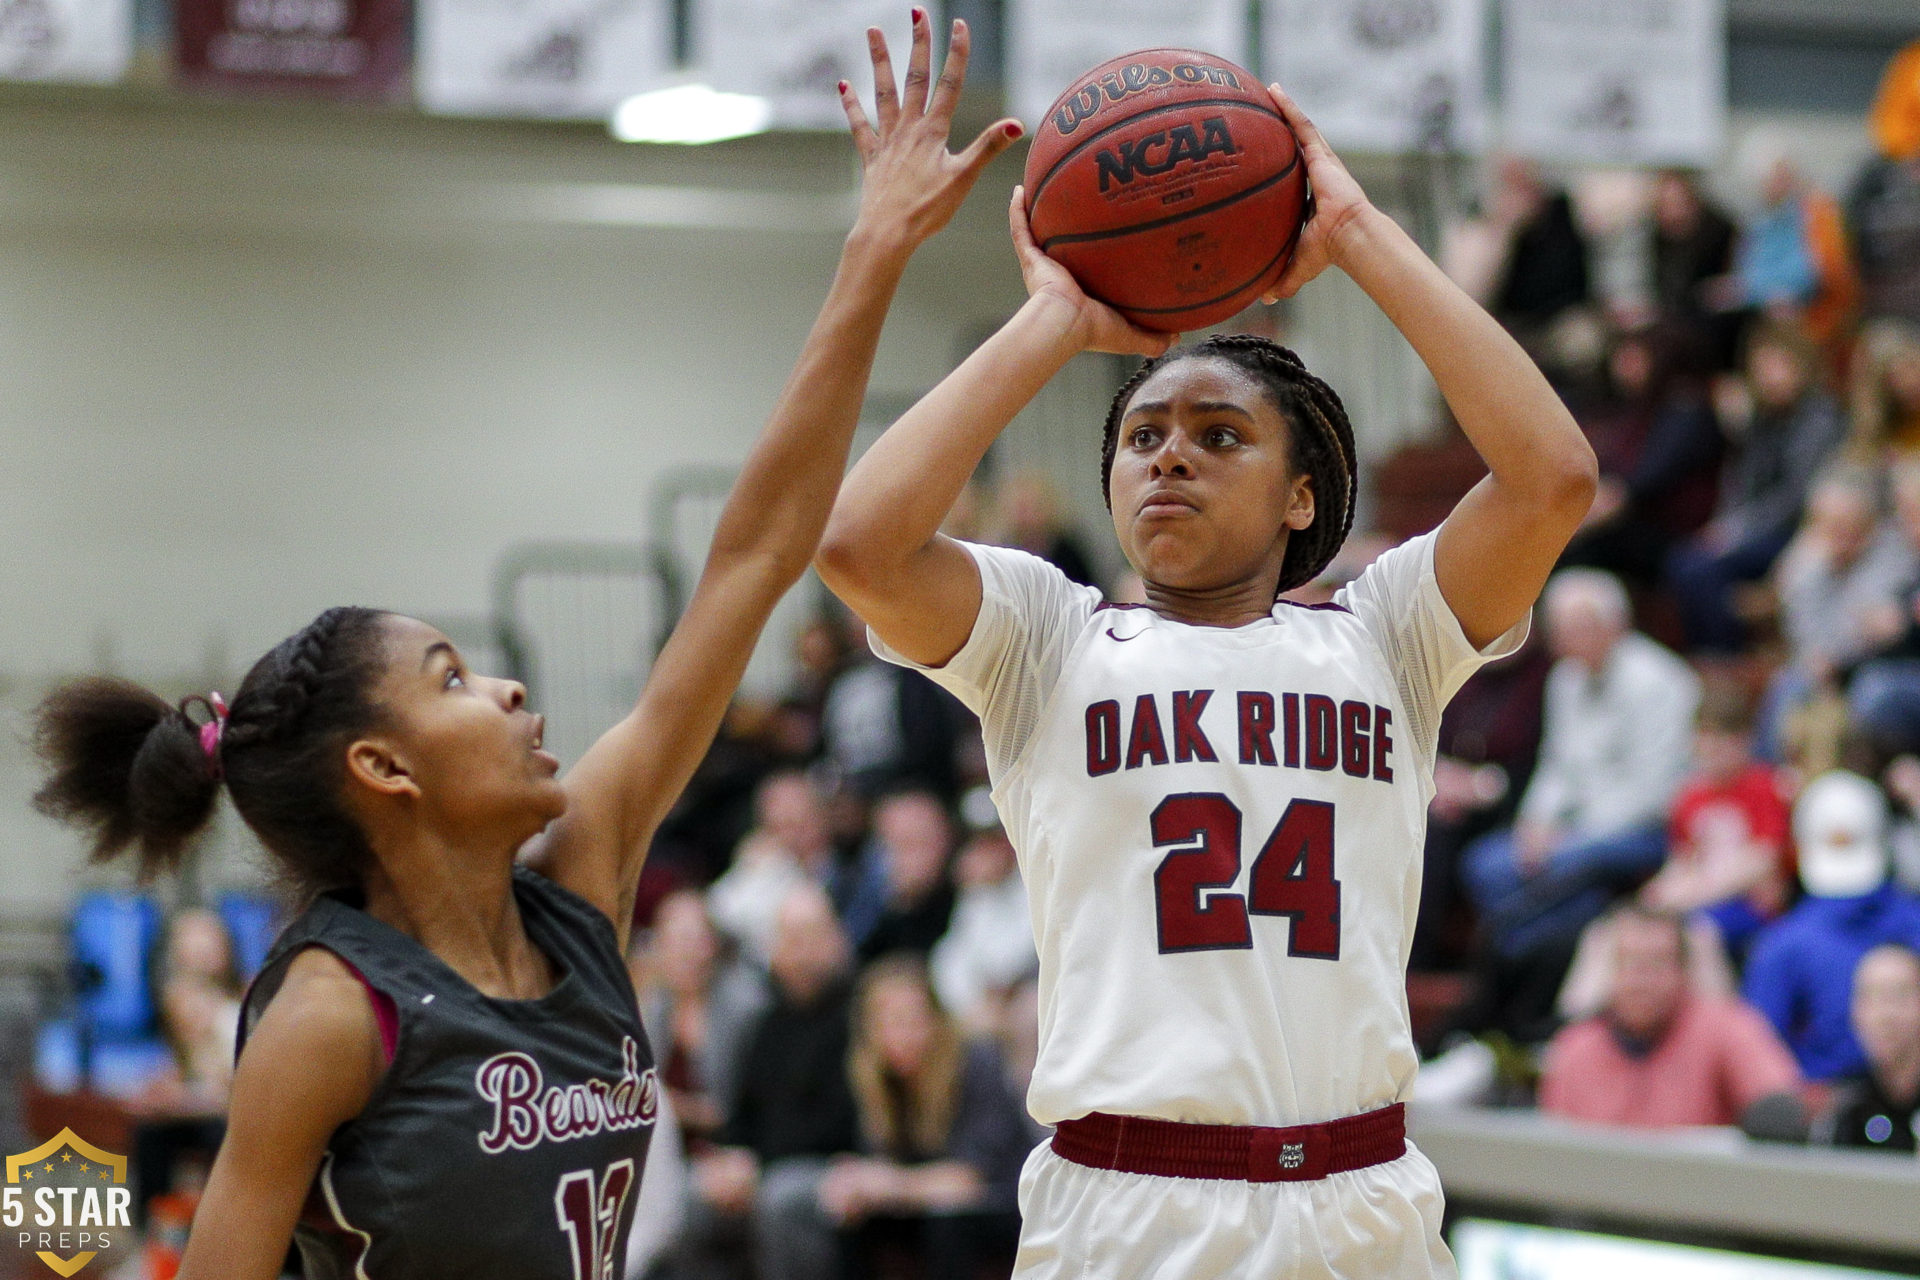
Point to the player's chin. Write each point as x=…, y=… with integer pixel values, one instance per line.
x=1176, y=560
x=546, y=800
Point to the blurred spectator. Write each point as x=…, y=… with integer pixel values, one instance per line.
x=988, y=946
x=885, y=728
x=943, y=1136
x=790, y=846
x=1544, y=272
x=792, y=1113
x=182, y=1111
x=1885, y=392
x=1792, y=259
x=1841, y=584
x=1660, y=1055
x=1489, y=740
x=698, y=1002
x=1880, y=1108
x=901, y=897
x=1692, y=247
x=1030, y=519
x=1883, y=686
x=1727, y=844
x=1884, y=205
x=1793, y=426
x=1800, y=972
x=1659, y=449
x=820, y=650
x=1619, y=715
x=697, y=840
x=1840, y=579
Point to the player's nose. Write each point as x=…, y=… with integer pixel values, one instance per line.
x=1171, y=458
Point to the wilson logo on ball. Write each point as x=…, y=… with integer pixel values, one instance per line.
x=1133, y=78
x=1160, y=152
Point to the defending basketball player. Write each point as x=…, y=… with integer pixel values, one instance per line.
x=444, y=1066
x=1219, y=798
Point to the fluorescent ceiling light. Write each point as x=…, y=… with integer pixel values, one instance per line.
x=690, y=113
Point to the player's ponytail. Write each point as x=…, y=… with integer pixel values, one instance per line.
x=136, y=772
x=126, y=766
x=1321, y=442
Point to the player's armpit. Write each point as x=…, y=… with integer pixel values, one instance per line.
x=310, y=1065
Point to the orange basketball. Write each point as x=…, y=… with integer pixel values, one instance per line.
x=1170, y=187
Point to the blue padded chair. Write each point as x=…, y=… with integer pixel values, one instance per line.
x=115, y=934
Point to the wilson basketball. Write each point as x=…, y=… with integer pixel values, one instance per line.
x=1169, y=185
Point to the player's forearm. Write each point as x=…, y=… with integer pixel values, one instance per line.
x=1530, y=443
x=899, y=493
x=777, y=508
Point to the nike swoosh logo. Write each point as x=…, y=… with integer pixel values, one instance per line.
x=1122, y=639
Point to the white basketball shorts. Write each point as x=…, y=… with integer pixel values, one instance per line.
x=1377, y=1223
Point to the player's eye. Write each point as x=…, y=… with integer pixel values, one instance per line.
x=1143, y=437
x=456, y=678
x=1221, y=437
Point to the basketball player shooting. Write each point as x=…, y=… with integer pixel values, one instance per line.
x=1219, y=798
x=444, y=1072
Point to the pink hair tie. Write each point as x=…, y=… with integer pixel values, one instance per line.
x=211, y=733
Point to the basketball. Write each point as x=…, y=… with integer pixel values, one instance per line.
x=1169, y=185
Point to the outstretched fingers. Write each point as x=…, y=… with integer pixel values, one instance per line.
x=993, y=140
x=913, y=95
x=953, y=73
x=865, y=140
x=886, y=99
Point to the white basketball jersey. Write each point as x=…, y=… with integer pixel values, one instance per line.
x=1220, y=831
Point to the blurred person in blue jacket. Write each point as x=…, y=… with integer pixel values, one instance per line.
x=1800, y=972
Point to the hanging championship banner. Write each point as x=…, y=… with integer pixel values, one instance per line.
x=794, y=53
x=1383, y=75
x=1619, y=81
x=1051, y=42
x=72, y=40
x=327, y=48
x=563, y=59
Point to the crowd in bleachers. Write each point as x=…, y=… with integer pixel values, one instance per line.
x=1676, y=841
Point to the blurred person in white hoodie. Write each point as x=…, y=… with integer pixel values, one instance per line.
x=1616, y=746
x=988, y=947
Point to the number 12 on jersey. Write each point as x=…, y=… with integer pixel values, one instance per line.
x=589, y=1211
x=1292, y=876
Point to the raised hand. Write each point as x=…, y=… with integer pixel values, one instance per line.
x=1337, y=201
x=1098, y=326
x=911, y=183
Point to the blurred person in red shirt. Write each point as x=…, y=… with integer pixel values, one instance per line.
x=1659, y=1055
x=1729, y=839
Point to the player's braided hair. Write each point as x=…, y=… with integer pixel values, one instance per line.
x=134, y=770
x=1320, y=443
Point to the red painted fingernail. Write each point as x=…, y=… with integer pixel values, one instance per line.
x=1014, y=130
x=843, y=86
x=919, y=16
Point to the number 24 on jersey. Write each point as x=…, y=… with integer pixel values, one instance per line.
x=1293, y=876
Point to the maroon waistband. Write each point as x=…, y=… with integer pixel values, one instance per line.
x=1170, y=1149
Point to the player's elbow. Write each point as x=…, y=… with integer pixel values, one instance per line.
x=846, y=560
x=1563, y=478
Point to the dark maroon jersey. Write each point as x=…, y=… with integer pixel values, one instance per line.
x=508, y=1136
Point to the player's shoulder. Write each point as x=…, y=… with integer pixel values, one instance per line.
x=322, y=1006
